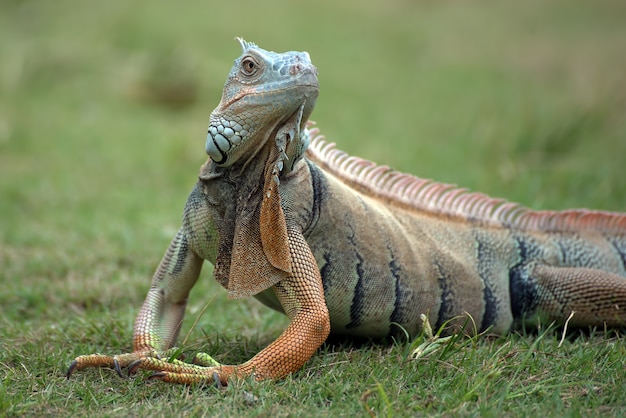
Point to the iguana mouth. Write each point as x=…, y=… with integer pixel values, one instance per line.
x=312, y=87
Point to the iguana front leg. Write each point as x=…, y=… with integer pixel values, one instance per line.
x=159, y=320
x=302, y=296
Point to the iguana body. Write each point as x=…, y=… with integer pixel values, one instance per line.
x=344, y=246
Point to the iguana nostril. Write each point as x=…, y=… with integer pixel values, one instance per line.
x=295, y=69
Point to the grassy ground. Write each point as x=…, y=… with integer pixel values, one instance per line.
x=103, y=111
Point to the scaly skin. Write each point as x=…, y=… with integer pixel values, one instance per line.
x=257, y=131
x=342, y=245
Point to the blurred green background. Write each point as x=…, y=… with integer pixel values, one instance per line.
x=104, y=108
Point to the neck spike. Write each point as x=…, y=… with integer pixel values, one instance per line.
x=245, y=44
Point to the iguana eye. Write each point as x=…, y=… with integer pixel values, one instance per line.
x=249, y=66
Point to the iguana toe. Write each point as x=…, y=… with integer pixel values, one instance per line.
x=189, y=378
x=179, y=372
x=203, y=359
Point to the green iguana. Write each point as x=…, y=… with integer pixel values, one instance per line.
x=342, y=245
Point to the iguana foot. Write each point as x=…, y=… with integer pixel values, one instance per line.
x=204, y=369
x=115, y=362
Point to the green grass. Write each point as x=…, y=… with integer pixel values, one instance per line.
x=103, y=112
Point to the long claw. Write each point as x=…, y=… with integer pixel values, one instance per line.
x=216, y=379
x=117, y=367
x=157, y=375
x=71, y=369
x=134, y=366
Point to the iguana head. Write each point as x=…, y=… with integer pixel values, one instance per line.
x=264, y=92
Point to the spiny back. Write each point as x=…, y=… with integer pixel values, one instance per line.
x=448, y=200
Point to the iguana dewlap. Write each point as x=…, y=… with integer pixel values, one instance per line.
x=342, y=245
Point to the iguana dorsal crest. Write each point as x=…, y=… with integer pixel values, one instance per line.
x=448, y=200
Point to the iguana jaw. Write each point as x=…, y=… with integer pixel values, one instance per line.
x=262, y=97
x=262, y=92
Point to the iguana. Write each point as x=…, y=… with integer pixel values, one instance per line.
x=342, y=245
